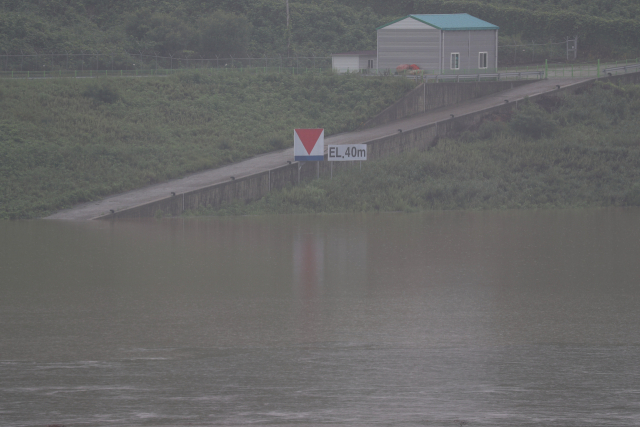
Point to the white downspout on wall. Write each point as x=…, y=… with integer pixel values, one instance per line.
x=441, y=52
x=496, y=51
x=377, y=49
x=469, y=53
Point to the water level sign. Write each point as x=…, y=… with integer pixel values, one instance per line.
x=308, y=145
x=345, y=153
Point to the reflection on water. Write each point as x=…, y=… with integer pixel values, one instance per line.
x=486, y=318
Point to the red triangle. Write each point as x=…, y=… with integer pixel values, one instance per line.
x=309, y=137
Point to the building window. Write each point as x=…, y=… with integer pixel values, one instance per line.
x=482, y=60
x=370, y=64
x=455, y=61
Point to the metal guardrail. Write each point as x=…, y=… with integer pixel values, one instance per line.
x=611, y=70
x=480, y=77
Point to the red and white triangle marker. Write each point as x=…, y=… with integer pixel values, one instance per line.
x=308, y=144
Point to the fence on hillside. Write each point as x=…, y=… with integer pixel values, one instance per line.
x=48, y=61
x=577, y=70
x=513, y=54
x=95, y=61
x=95, y=64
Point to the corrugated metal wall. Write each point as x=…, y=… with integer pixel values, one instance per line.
x=408, y=42
x=469, y=44
x=484, y=41
x=456, y=42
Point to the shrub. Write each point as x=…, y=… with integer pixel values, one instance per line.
x=533, y=121
x=102, y=92
x=491, y=128
x=277, y=143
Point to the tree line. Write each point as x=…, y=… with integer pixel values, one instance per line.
x=320, y=27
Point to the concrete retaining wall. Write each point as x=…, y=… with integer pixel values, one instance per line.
x=630, y=78
x=258, y=185
x=248, y=188
x=430, y=96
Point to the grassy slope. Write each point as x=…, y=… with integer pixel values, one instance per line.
x=68, y=141
x=587, y=153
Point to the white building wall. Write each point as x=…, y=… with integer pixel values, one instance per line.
x=345, y=64
x=364, y=61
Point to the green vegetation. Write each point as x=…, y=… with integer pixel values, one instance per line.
x=190, y=28
x=576, y=151
x=606, y=29
x=64, y=142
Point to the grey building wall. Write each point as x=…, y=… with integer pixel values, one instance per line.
x=409, y=46
x=408, y=42
x=469, y=44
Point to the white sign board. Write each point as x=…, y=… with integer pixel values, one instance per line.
x=345, y=153
x=308, y=145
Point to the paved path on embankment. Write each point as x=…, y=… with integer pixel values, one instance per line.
x=272, y=160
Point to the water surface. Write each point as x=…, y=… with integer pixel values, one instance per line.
x=443, y=319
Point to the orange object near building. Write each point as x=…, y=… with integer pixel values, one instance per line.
x=406, y=67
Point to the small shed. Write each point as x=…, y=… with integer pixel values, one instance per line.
x=354, y=61
x=447, y=44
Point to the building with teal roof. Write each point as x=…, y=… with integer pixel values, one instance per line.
x=446, y=44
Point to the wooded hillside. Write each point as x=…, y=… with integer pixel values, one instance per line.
x=319, y=27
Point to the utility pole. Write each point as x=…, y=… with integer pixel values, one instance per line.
x=572, y=47
x=288, y=32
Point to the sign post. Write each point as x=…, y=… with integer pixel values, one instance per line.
x=346, y=153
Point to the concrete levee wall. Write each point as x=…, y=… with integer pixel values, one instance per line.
x=258, y=185
x=430, y=96
x=630, y=78
x=248, y=188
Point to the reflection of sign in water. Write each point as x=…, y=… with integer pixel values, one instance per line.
x=343, y=153
x=308, y=144
x=308, y=278
x=308, y=264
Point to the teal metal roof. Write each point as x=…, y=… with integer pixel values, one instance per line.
x=451, y=22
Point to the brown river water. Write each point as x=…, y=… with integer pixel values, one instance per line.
x=517, y=318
